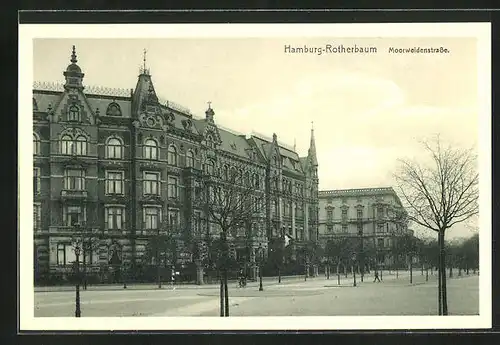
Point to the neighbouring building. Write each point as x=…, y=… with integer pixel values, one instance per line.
x=122, y=164
x=372, y=217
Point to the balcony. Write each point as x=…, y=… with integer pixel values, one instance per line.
x=73, y=194
x=360, y=220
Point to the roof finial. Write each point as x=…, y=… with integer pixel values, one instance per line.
x=144, y=59
x=73, y=56
x=209, y=104
x=312, y=125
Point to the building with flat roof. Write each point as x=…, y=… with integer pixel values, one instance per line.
x=374, y=217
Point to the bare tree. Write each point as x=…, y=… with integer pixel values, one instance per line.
x=231, y=203
x=440, y=194
x=87, y=241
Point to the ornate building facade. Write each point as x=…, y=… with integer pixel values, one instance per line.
x=122, y=165
x=370, y=214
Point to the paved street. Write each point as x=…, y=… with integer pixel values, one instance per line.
x=293, y=297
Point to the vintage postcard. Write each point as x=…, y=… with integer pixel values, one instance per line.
x=271, y=177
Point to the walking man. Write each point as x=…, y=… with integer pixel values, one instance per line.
x=376, y=277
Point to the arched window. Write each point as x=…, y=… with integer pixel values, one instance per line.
x=114, y=148
x=209, y=167
x=36, y=144
x=172, y=155
x=113, y=110
x=226, y=173
x=190, y=159
x=73, y=113
x=81, y=146
x=66, y=145
x=150, y=149
x=256, y=181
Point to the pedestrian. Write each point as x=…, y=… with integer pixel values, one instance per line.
x=376, y=277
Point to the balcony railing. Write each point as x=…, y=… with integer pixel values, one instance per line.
x=73, y=194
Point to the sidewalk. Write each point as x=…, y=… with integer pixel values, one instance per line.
x=166, y=285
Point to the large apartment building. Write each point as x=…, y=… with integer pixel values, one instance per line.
x=372, y=214
x=122, y=164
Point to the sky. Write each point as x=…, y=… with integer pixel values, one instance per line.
x=367, y=110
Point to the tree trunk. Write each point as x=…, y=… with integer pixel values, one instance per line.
x=422, y=266
x=443, y=273
x=411, y=270
x=222, y=310
x=426, y=273
x=338, y=273
x=345, y=271
x=226, y=295
x=440, y=279
x=451, y=272
x=84, y=271
x=460, y=271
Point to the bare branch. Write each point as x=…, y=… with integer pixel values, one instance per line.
x=443, y=191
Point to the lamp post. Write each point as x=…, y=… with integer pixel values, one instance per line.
x=261, y=257
x=77, y=266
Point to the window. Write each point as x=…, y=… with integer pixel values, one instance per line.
x=36, y=180
x=172, y=155
x=173, y=217
x=74, y=179
x=380, y=211
x=360, y=229
x=151, y=217
x=329, y=200
x=344, y=214
x=275, y=207
x=114, y=148
x=380, y=242
x=36, y=144
x=81, y=146
x=73, y=215
x=172, y=187
x=359, y=213
x=256, y=181
x=151, y=183
x=74, y=113
x=209, y=167
x=299, y=212
x=115, y=218
x=197, y=223
x=329, y=214
x=114, y=182
x=66, y=145
x=150, y=149
x=113, y=110
x=344, y=228
x=190, y=159
x=380, y=227
x=37, y=214
x=329, y=228
x=61, y=253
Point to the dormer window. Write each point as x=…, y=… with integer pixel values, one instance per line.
x=74, y=113
x=113, y=110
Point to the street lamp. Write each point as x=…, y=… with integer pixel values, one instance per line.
x=261, y=257
x=77, y=266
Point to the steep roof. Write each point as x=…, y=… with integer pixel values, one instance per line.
x=235, y=144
